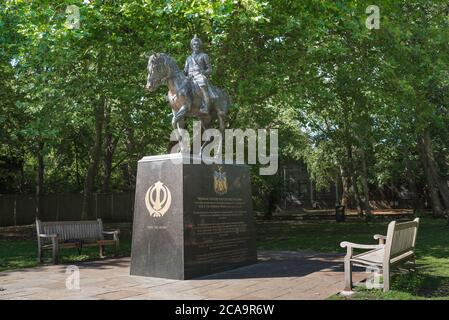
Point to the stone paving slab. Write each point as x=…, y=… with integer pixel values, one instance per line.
x=285, y=275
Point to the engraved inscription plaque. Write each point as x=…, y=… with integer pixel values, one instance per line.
x=191, y=220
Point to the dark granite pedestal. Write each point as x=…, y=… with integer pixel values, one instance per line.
x=191, y=219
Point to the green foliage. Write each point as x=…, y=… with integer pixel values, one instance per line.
x=310, y=68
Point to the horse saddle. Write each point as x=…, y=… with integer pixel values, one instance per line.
x=195, y=89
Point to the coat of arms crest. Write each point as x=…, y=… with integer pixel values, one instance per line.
x=220, y=181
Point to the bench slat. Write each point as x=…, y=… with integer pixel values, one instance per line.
x=373, y=256
x=69, y=230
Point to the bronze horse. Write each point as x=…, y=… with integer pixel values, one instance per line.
x=185, y=96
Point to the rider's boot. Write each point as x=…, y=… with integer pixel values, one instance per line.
x=206, y=100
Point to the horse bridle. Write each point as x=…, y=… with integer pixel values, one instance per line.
x=171, y=75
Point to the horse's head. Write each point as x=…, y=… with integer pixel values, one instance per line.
x=157, y=71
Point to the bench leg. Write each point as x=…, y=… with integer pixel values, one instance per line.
x=55, y=251
x=116, y=247
x=413, y=265
x=348, y=275
x=386, y=276
x=79, y=248
x=39, y=255
x=101, y=251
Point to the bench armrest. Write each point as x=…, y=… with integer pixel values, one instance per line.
x=111, y=232
x=53, y=238
x=114, y=233
x=360, y=246
x=43, y=235
x=381, y=238
x=350, y=246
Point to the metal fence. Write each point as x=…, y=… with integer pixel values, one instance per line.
x=18, y=209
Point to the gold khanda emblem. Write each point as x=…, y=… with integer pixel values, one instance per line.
x=158, y=199
x=220, y=181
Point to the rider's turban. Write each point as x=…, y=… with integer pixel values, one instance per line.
x=196, y=39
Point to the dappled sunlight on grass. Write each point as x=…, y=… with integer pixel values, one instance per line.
x=17, y=254
x=415, y=286
x=431, y=281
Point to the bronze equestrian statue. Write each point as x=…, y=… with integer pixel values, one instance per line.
x=198, y=68
x=189, y=94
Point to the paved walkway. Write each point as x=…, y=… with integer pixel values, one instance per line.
x=278, y=275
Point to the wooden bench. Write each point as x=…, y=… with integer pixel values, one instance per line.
x=394, y=249
x=54, y=235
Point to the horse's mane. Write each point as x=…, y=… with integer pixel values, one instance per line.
x=168, y=61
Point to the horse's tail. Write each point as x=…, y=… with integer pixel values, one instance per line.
x=226, y=99
x=222, y=100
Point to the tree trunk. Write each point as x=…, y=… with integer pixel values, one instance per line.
x=411, y=182
x=132, y=161
x=110, y=145
x=271, y=197
x=353, y=175
x=429, y=166
x=441, y=183
x=444, y=192
x=346, y=185
x=108, y=158
x=94, y=160
x=22, y=176
x=358, y=199
x=364, y=177
x=77, y=171
x=40, y=178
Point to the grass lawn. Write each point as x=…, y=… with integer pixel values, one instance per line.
x=430, y=281
x=18, y=250
x=18, y=247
